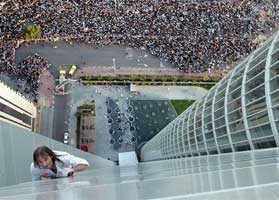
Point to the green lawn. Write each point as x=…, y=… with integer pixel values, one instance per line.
x=181, y=105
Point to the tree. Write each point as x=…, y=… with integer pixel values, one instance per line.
x=31, y=32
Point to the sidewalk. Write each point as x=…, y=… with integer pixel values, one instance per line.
x=45, y=104
x=46, y=90
x=104, y=70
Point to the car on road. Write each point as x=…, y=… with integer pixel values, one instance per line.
x=66, y=138
x=72, y=70
x=62, y=72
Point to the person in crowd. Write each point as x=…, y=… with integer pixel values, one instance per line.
x=54, y=164
x=194, y=36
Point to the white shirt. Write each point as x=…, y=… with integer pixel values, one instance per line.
x=69, y=161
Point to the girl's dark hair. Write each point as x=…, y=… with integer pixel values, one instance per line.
x=44, y=151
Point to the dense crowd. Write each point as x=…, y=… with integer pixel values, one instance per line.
x=195, y=36
x=28, y=71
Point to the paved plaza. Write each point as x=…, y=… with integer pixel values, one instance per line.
x=99, y=94
x=172, y=92
x=84, y=55
x=116, y=121
x=123, y=120
x=134, y=117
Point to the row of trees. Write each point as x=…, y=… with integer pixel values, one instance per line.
x=148, y=81
x=149, y=78
x=31, y=32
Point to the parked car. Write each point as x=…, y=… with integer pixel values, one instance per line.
x=66, y=138
x=72, y=70
x=62, y=72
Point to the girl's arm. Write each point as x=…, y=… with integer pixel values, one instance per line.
x=80, y=167
x=35, y=173
x=77, y=168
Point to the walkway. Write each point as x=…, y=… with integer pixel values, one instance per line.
x=45, y=104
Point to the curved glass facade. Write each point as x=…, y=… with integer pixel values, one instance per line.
x=240, y=113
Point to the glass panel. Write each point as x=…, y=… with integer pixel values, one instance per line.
x=275, y=98
x=191, y=127
x=220, y=95
x=207, y=119
x=260, y=54
x=264, y=143
x=203, y=153
x=261, y=131
x=221, y=131
x=257, y=119
x=223, y=140
x=201, y=146
x=226, y=149
x=208, y=110
x=192, y=141
x=256, y=70
x=23, y=149
x=219, y=113
x=274, y=84
x=234, y=95
x=186, y=143
x=235, y=84
x=256, y=106
x=198, y=124
x=219, y=104
x=257, y=80
x=276, y=112
x=235, y=115
x=242, y=146
x=274, y=70
x=194, y=148
x=185, y=125
x=209, y=135
x=191, y=134
x=200, y=138
x=236, y=126
x=10, y=152
x=276, y=46
x=275, y=57
x=255, y=94
x=238, y=137
x=220, y=122
x=211, y=143
x=235, y=104
x=199, y=131
x=208, y=127
x=212, y=152
x=209, y=100
x=240, y=67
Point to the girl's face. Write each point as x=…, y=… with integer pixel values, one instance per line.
x=45, y=162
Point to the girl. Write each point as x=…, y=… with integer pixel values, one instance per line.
x=54, y=164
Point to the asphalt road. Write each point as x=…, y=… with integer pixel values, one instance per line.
x=46, y=122
x=89, y=56
x=61, y=117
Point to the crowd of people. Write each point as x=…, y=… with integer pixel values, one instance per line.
x=29, y=71
x=195, y=36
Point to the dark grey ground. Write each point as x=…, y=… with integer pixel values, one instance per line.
x=147, y=121
x=86, y=55
x=61, y=116
x=151, y=116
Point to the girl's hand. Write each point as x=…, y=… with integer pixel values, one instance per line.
x=65, y=172
x=70, y=172
x=45, y=175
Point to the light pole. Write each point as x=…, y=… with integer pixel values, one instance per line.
x=115, y=4
x=113, y=64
